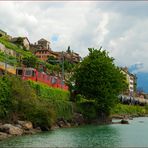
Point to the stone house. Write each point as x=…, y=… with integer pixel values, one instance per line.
x=23, y=42
x=44, y=44
x=42, y=49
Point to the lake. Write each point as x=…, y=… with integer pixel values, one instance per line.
x=134, y=134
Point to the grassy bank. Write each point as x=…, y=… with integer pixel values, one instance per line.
x=121, y=109
x=26, y=100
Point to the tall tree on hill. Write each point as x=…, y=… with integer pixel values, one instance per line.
x=98, y=79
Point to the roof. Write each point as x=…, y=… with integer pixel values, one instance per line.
x=16, y=38
x=40, y=50
x=42, y=39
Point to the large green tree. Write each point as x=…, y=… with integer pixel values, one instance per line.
x=98, y=79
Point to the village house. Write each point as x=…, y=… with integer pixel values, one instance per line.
x=70, y=57
x=44, y=44
x=131, y=80
x=43, y=51
x=22, y=42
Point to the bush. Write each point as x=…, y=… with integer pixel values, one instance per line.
x=4, y=97
x=57, y=97
x=129, y=109
x=18, y=100
x=86, y=107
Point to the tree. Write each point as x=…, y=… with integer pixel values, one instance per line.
x=68, y=50
x=52, y=60
x=97, y=78
x=30, y=61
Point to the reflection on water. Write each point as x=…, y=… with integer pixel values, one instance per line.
x=116, y=135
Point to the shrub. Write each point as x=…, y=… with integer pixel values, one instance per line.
x=57, y=97
x=18, y=100
x=129, y=109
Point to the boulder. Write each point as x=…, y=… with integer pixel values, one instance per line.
x=11, y=129
x=55, y=126
x=123, y=121
x=26, y=124
x=3, y=135
x=61, y=124
x=78, y=119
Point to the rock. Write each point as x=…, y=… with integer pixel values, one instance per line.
x=3, y=135
x=54, y=127
x=61, y=124
x=78, y=119
x=117, y=117
x=45, y=128
x=11, y=129
x=123, y=121
x=130, y=118
x=68, y=125
x=26, y=124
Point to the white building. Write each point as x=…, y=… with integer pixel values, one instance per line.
x=131, y=80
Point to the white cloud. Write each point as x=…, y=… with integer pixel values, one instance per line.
x=81, y=25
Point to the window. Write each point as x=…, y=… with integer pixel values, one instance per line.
x=19, y=72
x=28, y=72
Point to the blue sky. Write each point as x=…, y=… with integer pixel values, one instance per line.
x=119, y=26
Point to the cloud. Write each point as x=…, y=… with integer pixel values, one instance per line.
x=120, y=27
x=136, y=67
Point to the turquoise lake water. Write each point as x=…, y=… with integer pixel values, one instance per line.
x=134, y=134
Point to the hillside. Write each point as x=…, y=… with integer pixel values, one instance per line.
x=19, y=55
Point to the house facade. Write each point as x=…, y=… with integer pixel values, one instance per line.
x=44, y=54
x=44, y=44
x=131, y=80
x=23, y=42
x=42, y=50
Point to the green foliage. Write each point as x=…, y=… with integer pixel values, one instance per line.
x=5, y=101
x=52, y=60
x=18, y=100
x=123, y=109
x=14, y=47
x=30, y=61
x=10, y=59
x=97, y=78
x=86, y=107
x=57, y=97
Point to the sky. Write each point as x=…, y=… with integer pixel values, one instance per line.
x=120, y=27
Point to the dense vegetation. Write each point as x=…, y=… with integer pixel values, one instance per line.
x=122, y=109
x=25, y=100
x=99, y=82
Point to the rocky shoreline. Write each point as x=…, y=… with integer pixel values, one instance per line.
x=26, y=127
